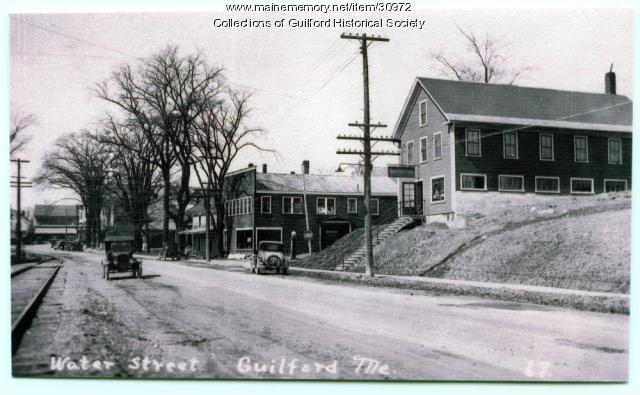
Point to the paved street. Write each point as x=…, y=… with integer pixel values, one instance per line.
x=180, y=321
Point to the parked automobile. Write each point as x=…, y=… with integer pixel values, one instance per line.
x=170, y=251
x=60, y=245
x=269, y=256
x=119, y=251
x=75, y=245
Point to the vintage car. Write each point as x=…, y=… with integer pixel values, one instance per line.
x=60, y=245
x=170, y=251
x=119, y=251
x=269, y=256
x=75, y=245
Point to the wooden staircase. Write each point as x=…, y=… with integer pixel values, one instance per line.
x=388, y=230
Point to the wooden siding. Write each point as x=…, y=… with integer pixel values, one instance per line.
x=297, y=222
x=492, y=163
x=432, y=167
x=243, y=184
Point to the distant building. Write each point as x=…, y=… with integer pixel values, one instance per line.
x=195, y=235
x=26, y=224
x=55, y=221
x=474, y=143
x=265, y=206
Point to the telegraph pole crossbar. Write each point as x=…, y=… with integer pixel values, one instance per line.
x=366, y=126
x=388, y=139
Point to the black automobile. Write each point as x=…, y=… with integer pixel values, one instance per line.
x=170, y=251
x=119, y=251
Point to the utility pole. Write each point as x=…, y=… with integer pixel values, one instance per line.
x=366, y=127
x=18, y=184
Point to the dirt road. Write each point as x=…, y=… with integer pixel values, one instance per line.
x=180, y=321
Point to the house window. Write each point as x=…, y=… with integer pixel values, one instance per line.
x=437, y=189
x=240, y=206
x=292, y=205
x=582, y=185
x=472, y=139
x=615, y=151
x=548, y=184
x=546, y=147
x=511, y=183
x=437, y=145
x=410, y=153
x=325, y=206
x=265, y=204
x=473, y=182
x=352, y=205
x=422, y=110
x=423, y=149
x=244, y=239
x=510, y=145
x=581, y=149
x=615, y=185
x=374, y=206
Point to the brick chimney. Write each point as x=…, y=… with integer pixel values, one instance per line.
x=610, y=82
x=264, y=168
x=305, y=167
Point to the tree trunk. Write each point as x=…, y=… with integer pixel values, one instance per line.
x=87, y=228
x=207, y=224
x=166, y=205
x=220, y=224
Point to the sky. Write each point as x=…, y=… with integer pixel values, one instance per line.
x=306, y=83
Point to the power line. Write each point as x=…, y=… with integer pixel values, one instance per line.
x=78, y=39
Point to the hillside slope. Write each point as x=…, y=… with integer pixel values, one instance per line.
x=570, y=242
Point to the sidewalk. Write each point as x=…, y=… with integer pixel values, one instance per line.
x=579, y=299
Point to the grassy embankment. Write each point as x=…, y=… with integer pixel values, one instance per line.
x=573, y=242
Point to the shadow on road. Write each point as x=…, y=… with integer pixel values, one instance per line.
x=144, y=277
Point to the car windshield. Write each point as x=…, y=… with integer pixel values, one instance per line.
x=120, y=247
x=273, y=247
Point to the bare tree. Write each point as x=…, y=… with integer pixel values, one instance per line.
x=220, y=134
x=164, y=97
x=80, y=164
x=485, y=60
x=136, y=182
x=17, y=137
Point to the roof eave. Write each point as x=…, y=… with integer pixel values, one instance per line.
x=406, y=110
x=527, y=122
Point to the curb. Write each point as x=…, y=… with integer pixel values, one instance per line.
x=582, y=301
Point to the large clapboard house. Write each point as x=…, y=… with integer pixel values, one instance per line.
x=470, y=143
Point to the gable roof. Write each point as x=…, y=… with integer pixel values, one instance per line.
x=47, y=210
x=517, y=105
x=317, y=184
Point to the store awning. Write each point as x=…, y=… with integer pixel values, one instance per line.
x=55, y=231
x=197, y=231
